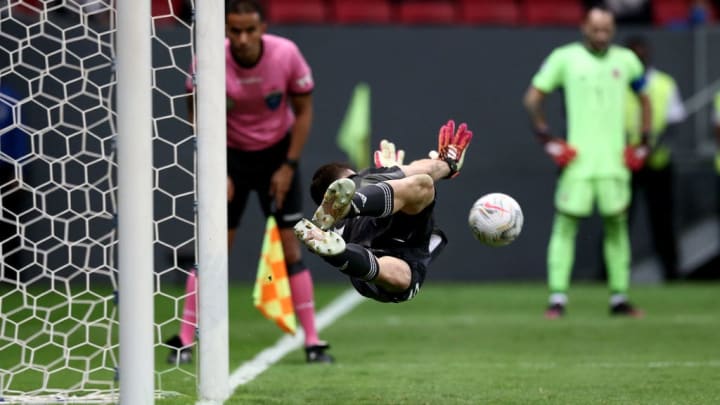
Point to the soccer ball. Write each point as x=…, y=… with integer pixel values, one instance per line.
x=496, y=219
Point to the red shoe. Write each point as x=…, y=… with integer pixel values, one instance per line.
x=555, y=311
x=626, y=309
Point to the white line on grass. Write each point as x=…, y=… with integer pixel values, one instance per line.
x=263, y=360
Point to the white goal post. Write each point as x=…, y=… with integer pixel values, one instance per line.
x=212, y=197
x=107, y=187
x=135, y=201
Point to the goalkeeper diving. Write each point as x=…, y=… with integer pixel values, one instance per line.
x=377, y=225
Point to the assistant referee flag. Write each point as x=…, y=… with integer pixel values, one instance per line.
x=271, y=294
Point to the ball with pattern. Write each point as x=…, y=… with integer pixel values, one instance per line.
x=496, y=219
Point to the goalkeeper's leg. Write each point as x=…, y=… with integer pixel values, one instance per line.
x=617, y=256
x=561, y=256
x=613, y=200
x=616, y=250
x=410, y=195
x=354, y=260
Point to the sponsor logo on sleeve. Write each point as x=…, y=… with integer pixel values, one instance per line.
x=305, y=81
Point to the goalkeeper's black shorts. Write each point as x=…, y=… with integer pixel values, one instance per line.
x=417, y=258
x=411, y=238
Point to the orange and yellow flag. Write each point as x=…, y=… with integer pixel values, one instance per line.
x=271, y=294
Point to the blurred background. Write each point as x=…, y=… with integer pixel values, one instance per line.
x=424, y=62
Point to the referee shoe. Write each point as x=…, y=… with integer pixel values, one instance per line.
x=318, y=353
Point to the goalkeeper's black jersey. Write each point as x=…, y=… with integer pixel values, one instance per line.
x=397, y=231
x=412, y=238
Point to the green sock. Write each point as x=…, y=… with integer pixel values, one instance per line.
x=561, y=252
x=616, y=250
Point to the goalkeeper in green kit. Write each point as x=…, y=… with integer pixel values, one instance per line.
x=595, y=160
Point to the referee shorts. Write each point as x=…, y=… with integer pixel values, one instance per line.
x=252, y=171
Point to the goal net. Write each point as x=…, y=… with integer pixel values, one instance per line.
x=58, y=197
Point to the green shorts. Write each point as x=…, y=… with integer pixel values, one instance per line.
x=576, y=197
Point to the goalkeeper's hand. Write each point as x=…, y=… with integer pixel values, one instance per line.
x=560, y=152
x=635, y=156
x=452, y=146
x=387, y=156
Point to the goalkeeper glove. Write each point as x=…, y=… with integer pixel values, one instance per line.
x=452, y=146
x=635, y=156
x=386, y=156
x=559, y=150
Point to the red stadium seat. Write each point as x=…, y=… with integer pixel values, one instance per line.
x=427, y=12
x=497, y=12
x=668, y=12
x=165, y=11
x=296, y=12
x=365, y=12
x=29, y=7
x=552, y=12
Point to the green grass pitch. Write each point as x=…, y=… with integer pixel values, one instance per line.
x=489, y=344
x=485, y=344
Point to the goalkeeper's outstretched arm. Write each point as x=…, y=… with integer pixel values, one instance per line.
x=388, y=156
x=435, y=168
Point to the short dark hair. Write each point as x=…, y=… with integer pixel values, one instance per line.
x=244, y=7
x=324, y=176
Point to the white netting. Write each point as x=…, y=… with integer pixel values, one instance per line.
x=58, y=281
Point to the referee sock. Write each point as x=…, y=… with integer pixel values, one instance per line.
x=302, y=294
x=189, y=317
x=355, y=261
x=375, y=200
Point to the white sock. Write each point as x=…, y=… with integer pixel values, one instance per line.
x=558, y=298
x=618, y=299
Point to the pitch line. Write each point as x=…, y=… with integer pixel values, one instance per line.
x=266, y=358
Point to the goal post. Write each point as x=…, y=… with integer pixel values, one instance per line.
x=135, y=201
x=212, y=196
x=114, y=186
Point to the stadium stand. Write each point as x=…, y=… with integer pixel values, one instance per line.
x=166, y=11
x=366, y=12
x=489, y=12
x=551, y=12
x=296, y=12
x=668, y=12
x=533, y=13
x=427, y=12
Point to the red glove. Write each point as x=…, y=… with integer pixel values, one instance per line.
x=560, y=152
x=452, y=145
x=635, y=156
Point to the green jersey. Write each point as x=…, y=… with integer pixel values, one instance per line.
x=595, y=89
